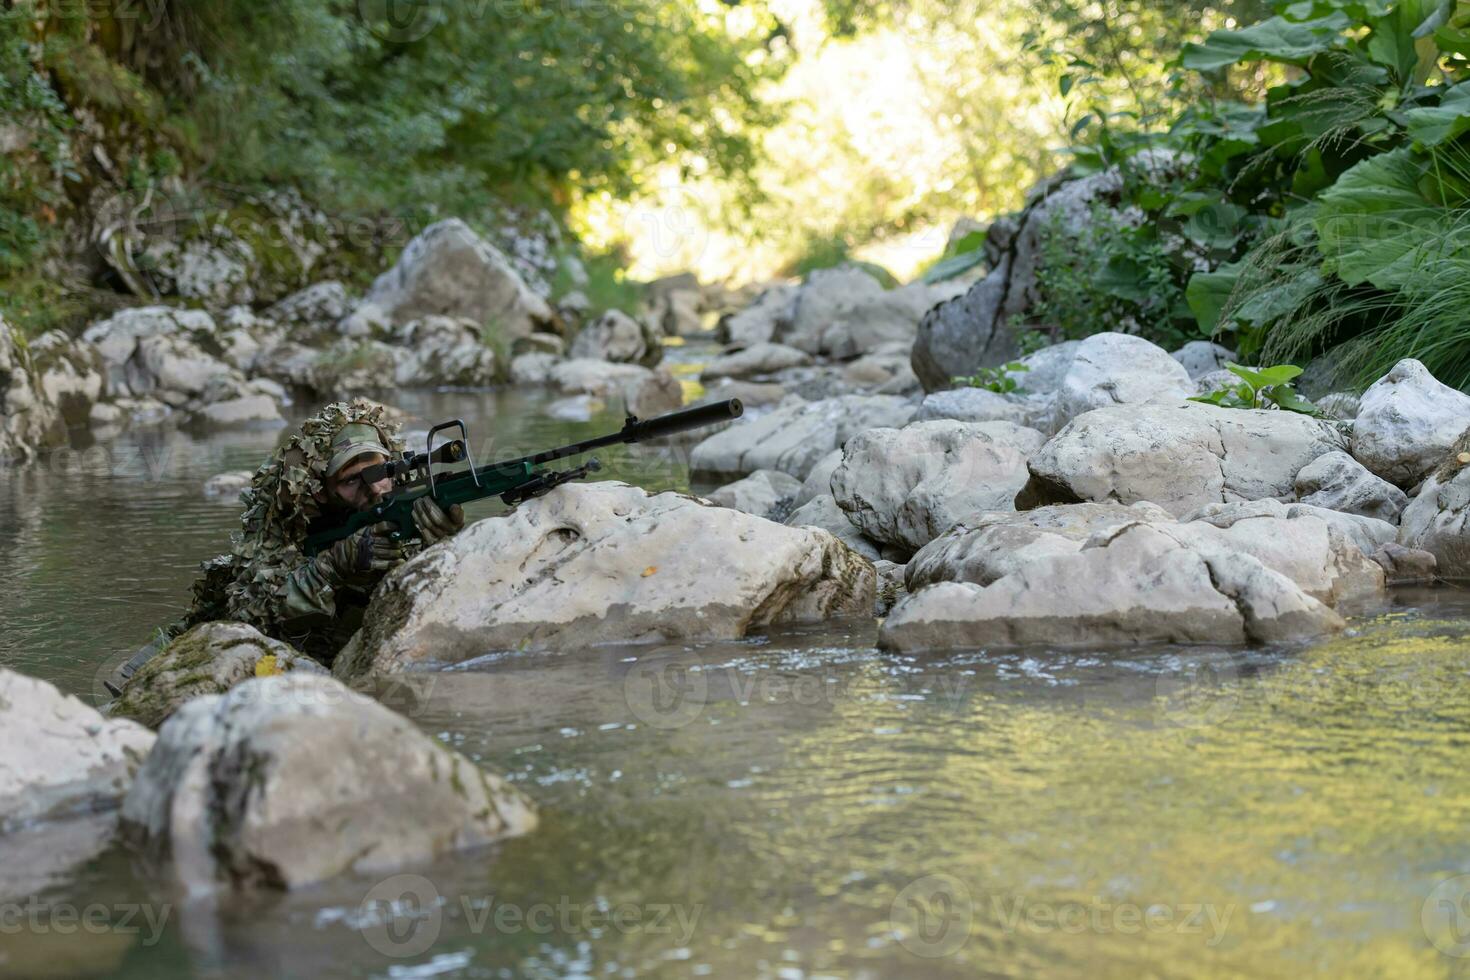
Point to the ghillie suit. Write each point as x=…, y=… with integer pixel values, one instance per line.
x=266, y=580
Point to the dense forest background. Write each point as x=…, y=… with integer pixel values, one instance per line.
x=745, y=139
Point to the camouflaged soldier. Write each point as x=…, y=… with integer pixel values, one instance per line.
x=311, y=482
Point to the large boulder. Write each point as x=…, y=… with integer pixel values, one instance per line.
x=1132, y=584
x=29, y=421
x=981, y=328
x=173, y=368
x=318, y=306
x=758, y=359
x=983, y=405
x=819, y=479
x=1180, y=456
x=1118, y=369
x=905, y=487
x=211, y=658
x=1406, y=423
x=1201, y=357
x=68, y=373
x=765, y=493
x=604, y=563
x=827, y=296
x=61, y=757
x=1437, y=520
x=1367, y=534
x=616, y=336
x=987, y=547
x=869, y=321
x=643, y=392
x=292, y=779
x=794, y=438
x=443, y=351
x=822, y=512
x=448, y=269
x=762, y=320
x=118, y=340
x=1339, y=482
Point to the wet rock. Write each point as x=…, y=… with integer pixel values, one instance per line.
x=61, y=757
x=39, y=856
x=616, y=336
x=1406, y=566
x=449, y=270
x=1339, y=482
x=987, y=547
x=822, y=512
x=905, y=487
x=68, y=373
x=604, y=563
x=644, y=393
x=1407, y=422
x=760, y=359
x=173, y=364
x=1134, y=584
x=1110, y=369
x=239, y=791
x=794, y=437
x=118, y=340
x=1200, y=357
x=1181, y=456
x=762, y=320
x=1437, y=520
x=211, y=658
x=29, y=421
x=227, y=486
x=318, y=306
x=765, y=493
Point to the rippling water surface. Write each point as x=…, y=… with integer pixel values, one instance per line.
x=799, y=805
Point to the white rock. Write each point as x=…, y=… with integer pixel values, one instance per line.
x=1118, y=369
x=576, y=408
x=1134, y=584
x=239, y=792
x=1367, y=533
x=448, y=269
x=228, y=486
x=643, y=392
x=765, y=493
x=442, y=351
x=321, y=304
x=68, y=374
x=759, y=322
x=1045, y=369
x=1339, y=482
x=103, y=414
x=793, y=438
x=117, y=338
x=905, y=487
x=818, y=482
x=1407, y=422
x=604, y=563
x=891, y=586
x=827, y=296
x=869, y=321
x=61, y=757
x=29, y=421
x=759, y=359
x=886, y=370
x=983, y=405
x=247, y=411
x=532, y=368
x=1437, y=520
x=822, y=512
x=1200, y=357
x=616, y=336
x=1179, y=456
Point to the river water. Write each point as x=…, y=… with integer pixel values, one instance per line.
x=798, y=804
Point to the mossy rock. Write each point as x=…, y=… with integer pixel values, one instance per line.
x=211, y=658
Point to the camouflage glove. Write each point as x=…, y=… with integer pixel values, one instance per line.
x=434, y=522
x=363, y=558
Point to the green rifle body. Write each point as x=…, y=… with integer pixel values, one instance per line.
x=512, y=480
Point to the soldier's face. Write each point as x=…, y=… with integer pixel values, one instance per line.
x=349, y=488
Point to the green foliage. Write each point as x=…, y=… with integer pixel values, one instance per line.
x=1267, y=387
x=1000, y=380
x=961, y=256
x=606, y=288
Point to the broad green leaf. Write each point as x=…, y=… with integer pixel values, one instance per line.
x=1282, y=298
x=1208, y=292
x=1266, y=377
x=1393, y=40
x=953, y=266
x=1287, y=399
x=1434, y=125
x=1453, y=40
x=1374, y=225
x=1275, y=39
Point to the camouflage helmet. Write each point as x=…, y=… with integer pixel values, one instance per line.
x=281, y=500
